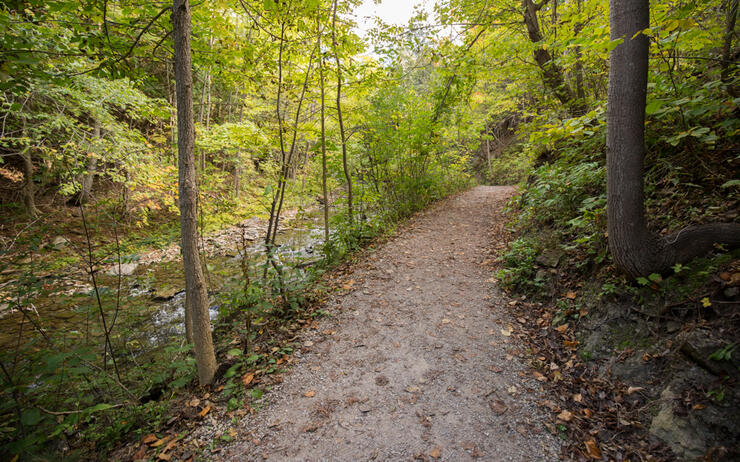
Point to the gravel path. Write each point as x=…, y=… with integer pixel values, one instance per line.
x=417, y=361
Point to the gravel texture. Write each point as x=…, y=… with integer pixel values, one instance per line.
x=417, y=361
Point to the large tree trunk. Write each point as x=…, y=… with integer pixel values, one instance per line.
x=347, y=174
x=635, y=249
x=731, y=16
x=552, y=74
x=195, y=284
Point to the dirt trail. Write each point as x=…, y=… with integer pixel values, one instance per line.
x=415, y=363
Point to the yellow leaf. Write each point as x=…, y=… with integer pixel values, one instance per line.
x=309, y=394
x=705, y=302
x=592, y=449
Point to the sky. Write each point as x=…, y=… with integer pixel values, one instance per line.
x=395, y=12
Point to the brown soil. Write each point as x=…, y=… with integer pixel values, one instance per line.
x=417, y=361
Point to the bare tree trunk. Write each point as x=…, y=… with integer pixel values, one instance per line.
x=28, y=190
x=29, y=201
x=580, y=93
x=552, y=74
x=727, y=64
x=195, y=285
x=88, y=178
x=347, y=175
x=323, y=138
x=635, y=249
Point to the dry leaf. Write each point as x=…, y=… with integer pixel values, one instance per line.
x=446, y=321
x=161, y=442
x=194, y=402
x=592, y=449
x=164, y=456
x=506, y=332
x=498, y=406
x=204, y=411
x=565, y=416
x=435, y=453
x=631, y=390
x=309, y=394
x=149, y=439
x=570, y=295
x=588, y=412
x=348, y=285
x=247, y=379
x=140, y=454
x=562, y=328
x=171, y=444
x=578, y=398
x=539, y=376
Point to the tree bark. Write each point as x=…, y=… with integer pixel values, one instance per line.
x=323, y=137
x=29, y=201
x=636, y=250
x=552, y=74
x=195, y=284
x=88, y=178
x=347, y=175
x=731, y=17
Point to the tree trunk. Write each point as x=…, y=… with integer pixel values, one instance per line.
x=323, y=138
x=195, y=285
x=86, y=183
x=28, y=190
x=731, y=16
x=29, y=201
x=635, y=249
x=347, y=175
x=552, y=74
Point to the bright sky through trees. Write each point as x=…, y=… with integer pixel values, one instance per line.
x=396, y=12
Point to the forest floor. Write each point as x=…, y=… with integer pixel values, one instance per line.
x=415, y=362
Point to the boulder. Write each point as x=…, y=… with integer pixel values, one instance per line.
x=550, y=258
x=127, y=269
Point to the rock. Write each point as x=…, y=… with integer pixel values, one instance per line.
x=164, y=293
x=550, y=258
x=60, y=241
x=541, y=275
x=699, y=345
x=127, y=269
x=677, y=432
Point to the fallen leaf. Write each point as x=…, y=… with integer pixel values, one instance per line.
x=204, y=411
x=149, y=439
x=348, y=285
x=446, y=321
x=171, y=444
x=565, y=416
x=539, y=376
x=570, y=295
x=195, y=402
x=140, y=454
x=498, y=406
x=592, y=449
x=161, y=442
x=506, y=332
x=562, y=328
x=435, y=453
x=698, y=407
x=164, y=456
x=247, y=379
x=413, y=389
x=631, y=390
x=309, y=394
x=588, y=412
x=578, y=398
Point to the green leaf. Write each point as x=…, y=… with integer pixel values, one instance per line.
x=730, y=184
x=235, y=352
x=30, y=417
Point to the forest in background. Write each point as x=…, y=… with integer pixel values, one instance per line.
x=498, y=92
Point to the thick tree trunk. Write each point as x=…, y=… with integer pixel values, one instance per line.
x=635, y=249
x=552, y=74
x=347, y=175
x=195, y=284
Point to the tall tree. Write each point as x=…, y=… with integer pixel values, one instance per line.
x=323, y=130
x=636, y=250
x=347, y=174
x=195, y=284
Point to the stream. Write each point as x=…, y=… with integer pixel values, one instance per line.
x=151, y=297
